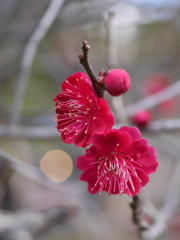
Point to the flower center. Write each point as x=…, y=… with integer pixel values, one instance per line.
x=115, y=173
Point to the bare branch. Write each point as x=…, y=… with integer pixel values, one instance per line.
x=72, y=192
x=164, y=124
x=111, y=53
x=32, y=224
x=84, y=60
x=34, y=174
x=171, y=203
x=43, y=132
x=137, y=212
x=29, y=54
x=154, y=99
x=48, y=132
x=119, y=110
x=159, y=125
x=111, y=59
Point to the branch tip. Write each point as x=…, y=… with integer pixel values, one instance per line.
x=85, y=45
x=84, y=60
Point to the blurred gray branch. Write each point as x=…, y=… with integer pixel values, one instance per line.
x=164, y=124
x=84, y=12
x=169, y=207
x=72, y=192
x=154, y=99
x=30, y=132
x=49, y=132
x=27, y=225
x=28, y=57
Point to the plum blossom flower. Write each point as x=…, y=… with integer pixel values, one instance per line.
x=118, y=162
x=80, y=113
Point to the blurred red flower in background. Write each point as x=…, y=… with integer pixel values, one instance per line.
x=80, y=113
x=141, y=118
x=118, y=162
x=156, y=83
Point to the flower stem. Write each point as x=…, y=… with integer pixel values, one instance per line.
x=84, y=60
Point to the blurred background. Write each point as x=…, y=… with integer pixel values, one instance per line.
x=39, y=46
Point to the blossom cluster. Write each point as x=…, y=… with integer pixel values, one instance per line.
x=119, y=160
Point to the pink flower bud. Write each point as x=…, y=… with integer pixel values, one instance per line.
x=142, y=118
x=117, y=81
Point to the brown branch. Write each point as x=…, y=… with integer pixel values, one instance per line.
x=137, y=213
x=84, y=60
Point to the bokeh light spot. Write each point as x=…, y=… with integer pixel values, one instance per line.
x=57, y=165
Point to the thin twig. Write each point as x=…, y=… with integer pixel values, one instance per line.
x=28, y=57
x=84, y=60
x=154, y=99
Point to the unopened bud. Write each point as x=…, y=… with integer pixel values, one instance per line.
x=142, y=118
x=117, y=82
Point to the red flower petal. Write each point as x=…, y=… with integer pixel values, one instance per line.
x=116, y=164
x=75, y=86
x=143, y=176
x=83, y=162
x=125, y=140
x=148, y=158
x=92, y=188
x=133, y=132
x=137, y=148
x=80, y=114
x=152, y=168
x=89, y=175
